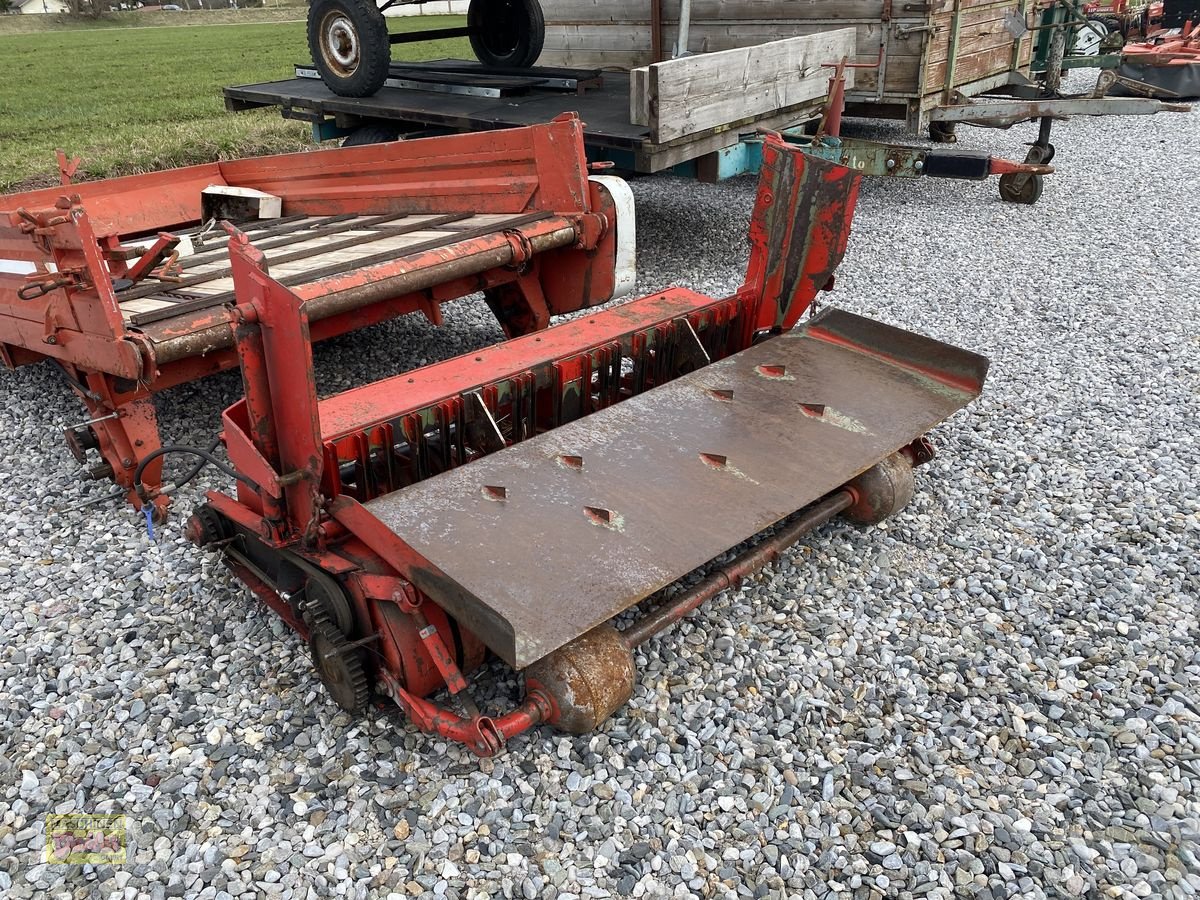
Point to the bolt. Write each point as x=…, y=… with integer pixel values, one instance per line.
x=891, y=164
x=919, y=166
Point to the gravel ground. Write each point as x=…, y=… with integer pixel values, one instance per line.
x=992, y=695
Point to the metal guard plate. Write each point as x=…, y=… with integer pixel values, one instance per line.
x=669, y=479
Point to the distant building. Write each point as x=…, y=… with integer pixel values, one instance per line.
x=27, y=7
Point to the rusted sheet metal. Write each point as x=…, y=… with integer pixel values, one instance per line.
x=798, y=232
x=127, y=205
x=750, y=561
x=668, y=479
x=509, y=170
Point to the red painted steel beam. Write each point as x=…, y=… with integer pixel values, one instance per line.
x=372, y=404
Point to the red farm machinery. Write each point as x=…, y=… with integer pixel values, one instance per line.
x=534, y=501
x=123, y=284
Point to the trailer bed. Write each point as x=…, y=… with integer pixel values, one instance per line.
x=452, y=95
x=603, y=109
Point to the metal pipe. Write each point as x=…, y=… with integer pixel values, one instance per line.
x=685, y=24
x=730, y=574
x=656, y=29
x=220, y=336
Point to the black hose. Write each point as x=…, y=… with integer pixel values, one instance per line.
x=198, y=466
x=206, y=456
x=189, y=476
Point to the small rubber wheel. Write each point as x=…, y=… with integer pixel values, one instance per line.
x=506, y=33
x=371, y=134
x=1018, y=188
x=942, y=133
x=349, y=43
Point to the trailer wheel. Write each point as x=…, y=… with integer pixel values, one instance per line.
x=349, y=43
x=371, y=134
x=1018, y=188
x=506, y=33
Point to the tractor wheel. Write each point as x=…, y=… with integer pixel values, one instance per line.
x=371, y=134
x=506, y=33
x=1018, y=188
x=350, y=46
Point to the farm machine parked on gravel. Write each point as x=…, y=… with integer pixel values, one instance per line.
x=519, y=501
x=516, y=500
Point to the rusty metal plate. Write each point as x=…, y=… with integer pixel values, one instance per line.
x=538, y=543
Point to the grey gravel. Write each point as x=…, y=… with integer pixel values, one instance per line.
x=992, y=695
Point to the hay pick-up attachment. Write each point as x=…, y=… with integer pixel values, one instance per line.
x=518, y=499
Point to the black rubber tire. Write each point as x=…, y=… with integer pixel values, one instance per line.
x=371, y=134
x=506, y=33
x=1015, y=190
x=367, y=57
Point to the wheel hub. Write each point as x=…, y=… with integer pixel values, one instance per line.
x=340, y=43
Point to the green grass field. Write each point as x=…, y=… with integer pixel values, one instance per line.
x=131, y=99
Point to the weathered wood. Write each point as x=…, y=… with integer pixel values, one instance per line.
x=901, y=77
x=708, y=37
x=916, y=38
x=971, y=66
x=639, y=96
x=698, y=93
x=638, y=12
x=658, y=157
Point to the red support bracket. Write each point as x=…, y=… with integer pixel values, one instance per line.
x=67, y=168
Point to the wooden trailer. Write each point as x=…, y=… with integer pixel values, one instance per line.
x=915, y=55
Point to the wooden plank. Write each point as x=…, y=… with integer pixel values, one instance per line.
x=980, y=29
x=639, y=96
x=972, y=66
x=698, y=93
x=585, y=58
x=568, y=44
x=657, y=157
x=638, y=11
x=901, y=78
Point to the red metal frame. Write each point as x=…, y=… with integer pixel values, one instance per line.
x=313, y=464
x=77, y=240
